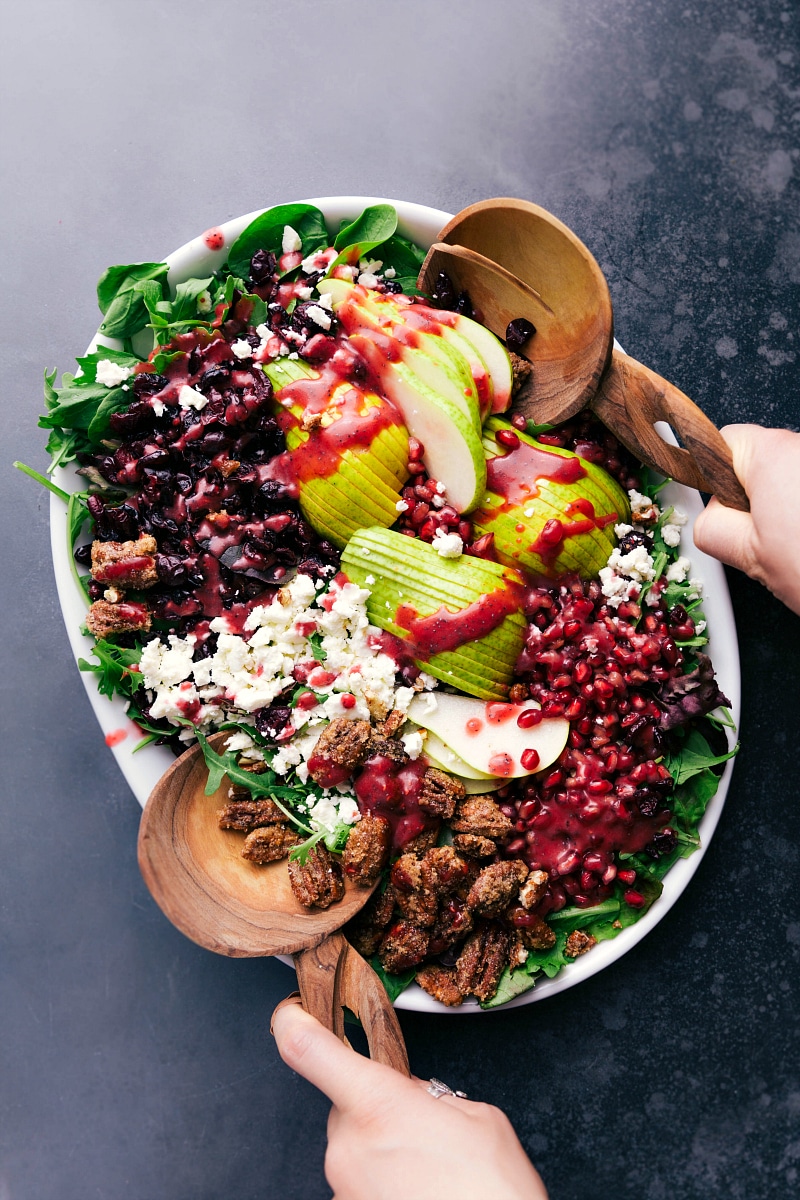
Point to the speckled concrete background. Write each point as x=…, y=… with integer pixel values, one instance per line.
x=136, y=1065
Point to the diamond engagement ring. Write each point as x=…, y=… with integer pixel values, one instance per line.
x=438, y=1089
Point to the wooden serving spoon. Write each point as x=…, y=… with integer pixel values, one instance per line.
x=200, y=881
x=515, y=259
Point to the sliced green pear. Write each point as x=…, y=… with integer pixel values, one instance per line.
x=488, y=736
x=446, y=759
x=431, y=358
x=477, y=787
x=467, y=630
x=549, y=511
x=363, y=488
x=453, y=450
x=494, y=355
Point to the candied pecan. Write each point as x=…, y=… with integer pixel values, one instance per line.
x=404, y=946
x=538, y=936
x=392, y=723
x=245, y=815
x=416, y=899
x=424, y=841
x=443, y=871
x=473, y=845
x=345, y=743
x=367, y=849
x=578, y=942
x=495, y=887
x=440, y=982
x=453, y=923
x=268, y=843
x=440, y=792
x=126, y=564
x=104, y=618
x=482, y=816
x=366, y=929
x=533, y=889
x=318, y=882
x=483, y=960
x=521, y=370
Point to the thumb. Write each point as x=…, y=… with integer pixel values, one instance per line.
x=346, y=1078
x=726, y=534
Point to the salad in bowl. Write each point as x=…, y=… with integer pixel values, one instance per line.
x=435, y=649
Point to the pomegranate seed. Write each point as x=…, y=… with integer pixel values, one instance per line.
x=465, y=531
x=348, y=700
x=507, y=438
x=527, y=809
x=514, y=848
x=416, y=450
x=634, y=899
x=627, y=877
x=529, y=717
x=519, y=422
x=599, y=787
x=530, y=759
x=554, y=779
x=581, y=672
x=416, y=468
x=575, y=709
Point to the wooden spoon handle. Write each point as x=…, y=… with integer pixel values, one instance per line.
x=333, y=976
x=632, y=398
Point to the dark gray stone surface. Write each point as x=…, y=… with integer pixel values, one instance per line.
x=135, y=1064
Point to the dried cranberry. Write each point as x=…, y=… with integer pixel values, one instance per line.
x=517, y=333
x=263, y=265
x=147, y=383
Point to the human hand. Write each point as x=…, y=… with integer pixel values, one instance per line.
x=763, y=543
x=387, y=1134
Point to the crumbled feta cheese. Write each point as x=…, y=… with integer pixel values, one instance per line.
x=700, y=627
x=112, y=374
x=528, y=512
x=636, y=564
x=440, y=488
x=158, y=407
x=369, y=580
x=349, y=811
x=305, y=293
x=448, y=545
x=413, y=743
x=204, y=302
x=389, y=273
x=189, y=397
x=676, y=572
x=644, y=511
x=319, y=316
x=621, y=530
x=671, y=535
x=242, y=348
x=401, y=506
x=367, y=280
x=326, y=300
x=292, y=242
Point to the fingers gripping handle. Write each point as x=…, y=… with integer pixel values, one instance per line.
x=333, y=976
x=632, y=398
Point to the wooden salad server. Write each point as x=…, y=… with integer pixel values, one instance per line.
x=515, y=259
x=200, y=881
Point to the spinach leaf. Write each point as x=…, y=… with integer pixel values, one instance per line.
x=266, y=233
x=122, y=305
x=694, y=756
x=376, y=224
x=394, y=984
x=184, y=306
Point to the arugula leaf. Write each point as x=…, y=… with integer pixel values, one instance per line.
x=512, y=983
x=394, y=984
x=89, y=362
x=123, y=306
x=578, y=918
x=114, y=668
x=261, y=784
x=315, y=642
x=266, y=233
